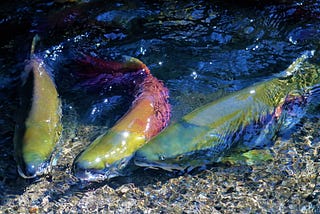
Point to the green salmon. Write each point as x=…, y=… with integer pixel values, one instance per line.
x=204, y=135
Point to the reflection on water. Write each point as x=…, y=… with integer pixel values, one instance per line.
x=201, y=51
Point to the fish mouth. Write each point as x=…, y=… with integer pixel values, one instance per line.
x=142, y=161
x=95, y=175
x=31, y=170
x=116, y=169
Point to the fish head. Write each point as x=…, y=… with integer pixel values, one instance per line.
x=33, y=165
x=107, y=157
x=153, y=160
x=175, y=160
x=86, y=171
x=32, y=160
x=162, y=152
x=173, y=149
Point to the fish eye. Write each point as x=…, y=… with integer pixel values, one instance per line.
x=179, y=157
x=122, y=164
x=162, y=157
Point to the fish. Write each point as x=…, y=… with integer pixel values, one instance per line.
x=38, y=127
x=108, y=155
x=250, y=116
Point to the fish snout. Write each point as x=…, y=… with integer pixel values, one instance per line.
x=142, y=159
x=29, y=171
x=139, y=159
x=81, y=171
x=34, y=168
x=85, y=173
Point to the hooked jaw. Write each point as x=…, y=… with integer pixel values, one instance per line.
x=87, y=171
x=34, y=165
x=106, y=157
x=155, y=161
x=89, y=175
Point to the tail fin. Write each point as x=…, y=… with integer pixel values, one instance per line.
x=93, y=72
x=35, y=40
x=295, y=66
x=28, y=67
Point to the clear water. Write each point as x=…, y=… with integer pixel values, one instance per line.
x=201, y=51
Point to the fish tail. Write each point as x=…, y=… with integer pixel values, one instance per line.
x=95, y=73
x=296, y=65
x=157, y=94
x=35, y=40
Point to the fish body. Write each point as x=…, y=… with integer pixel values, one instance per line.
x=38, y=128
x=204, y=135
x=109, y=154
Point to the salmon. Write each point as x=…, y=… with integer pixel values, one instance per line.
x=206, y=134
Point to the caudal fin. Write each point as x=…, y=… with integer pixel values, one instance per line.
x=296, y=65
x=35, y=40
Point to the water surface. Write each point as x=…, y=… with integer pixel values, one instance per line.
x=201, y=51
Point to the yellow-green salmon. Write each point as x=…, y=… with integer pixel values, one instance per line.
x=204, y=135
x=38, y=127
x=109, y=154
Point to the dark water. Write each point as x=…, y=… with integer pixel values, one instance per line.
x=201, y=51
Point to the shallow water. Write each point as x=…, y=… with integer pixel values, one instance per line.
x=201, y=51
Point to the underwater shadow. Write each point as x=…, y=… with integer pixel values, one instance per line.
x=11, y=184
x=142, y=177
